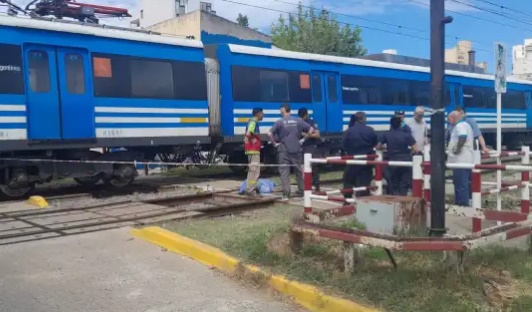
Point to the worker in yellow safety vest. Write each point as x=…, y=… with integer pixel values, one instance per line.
x=252, y=146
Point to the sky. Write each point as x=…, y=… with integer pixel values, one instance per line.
x=407, y=18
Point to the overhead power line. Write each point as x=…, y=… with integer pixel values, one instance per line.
x=505, y=7
x=401, y=27
x=491, y=11
x=344, y=23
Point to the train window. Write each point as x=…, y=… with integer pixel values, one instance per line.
x=457, y=96
x=75, y=73
x=514, y=100
x=151, y=79
x=39, y=68
x=11, y=75
x=473, y=97
x=273, y=86
x=332, y=88
x=190, y=82
x=360, y=90
x=394, y=92
x=299, y=91
x=316, y=88
x=419, y=93
x=111, y=76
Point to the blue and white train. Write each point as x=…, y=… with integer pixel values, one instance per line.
x=67, y=88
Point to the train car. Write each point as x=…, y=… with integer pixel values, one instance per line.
x=334, y=88
x=67, y=87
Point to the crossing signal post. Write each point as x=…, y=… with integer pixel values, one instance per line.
x=437, y=119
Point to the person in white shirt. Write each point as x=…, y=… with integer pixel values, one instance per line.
x=460, y=150
x=419, y=128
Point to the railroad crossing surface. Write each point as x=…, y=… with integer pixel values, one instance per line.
x=110, y=271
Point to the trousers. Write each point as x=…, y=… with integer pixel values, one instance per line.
x=313, y=149
x=399, y=180
x=294, y=162
x=357, y=176
x=462, y=188
x=253, y=173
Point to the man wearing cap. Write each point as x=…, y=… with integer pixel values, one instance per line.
x=310, y=144
x=252, y=146
x=404, y=126
x=289, y=132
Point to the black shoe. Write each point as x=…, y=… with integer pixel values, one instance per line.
x=299, y=194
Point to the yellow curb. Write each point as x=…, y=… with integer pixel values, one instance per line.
x=38, y=201
x=308, y=296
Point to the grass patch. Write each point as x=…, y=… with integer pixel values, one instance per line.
x=496, y=279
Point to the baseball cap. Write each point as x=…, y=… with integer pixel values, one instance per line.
x=399, y=113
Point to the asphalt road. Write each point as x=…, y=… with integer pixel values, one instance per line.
x=110, y=271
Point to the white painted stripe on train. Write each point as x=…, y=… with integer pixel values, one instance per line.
x=18, y=119
x=263, y=120
x=140, y=120
x=105, y=109
x=149, y=132
x=412, y=113
x=12, y=108
x=13, y=134
x=266, y=111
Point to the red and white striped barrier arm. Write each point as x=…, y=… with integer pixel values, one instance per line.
x=352, y=157
x=361, y=162
x=417, y=176
x=504, y=189
x=486, y=214
x=502, y=154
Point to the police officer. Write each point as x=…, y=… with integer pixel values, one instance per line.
x=252, y=146
x=404, y=125
x=310, y=144
x=358, y=140
x=289, y=132
x=399, y=145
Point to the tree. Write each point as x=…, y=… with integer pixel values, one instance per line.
x=319, y=33
x=242, y=20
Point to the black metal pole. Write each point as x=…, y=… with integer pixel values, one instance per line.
x=437, y=120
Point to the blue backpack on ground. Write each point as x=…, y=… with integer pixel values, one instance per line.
x=265, y=186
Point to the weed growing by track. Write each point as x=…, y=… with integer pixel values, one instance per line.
x=496, y=279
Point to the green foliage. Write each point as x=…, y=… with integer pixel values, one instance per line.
x=312, y=32
x=242, y=20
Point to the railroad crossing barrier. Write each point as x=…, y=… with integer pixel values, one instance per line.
x=516, y=223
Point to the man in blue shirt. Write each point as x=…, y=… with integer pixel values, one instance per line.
x=289, y=133
x=400, y=145
x=358, y=140
x=310, y=145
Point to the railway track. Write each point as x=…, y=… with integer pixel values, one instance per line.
x=30, y=225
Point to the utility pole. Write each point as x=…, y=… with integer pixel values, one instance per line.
x=437, y=119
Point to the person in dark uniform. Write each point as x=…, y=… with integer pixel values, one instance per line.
x=359, y=140
x=400, y=145
x=404, y=126
x=311, y=141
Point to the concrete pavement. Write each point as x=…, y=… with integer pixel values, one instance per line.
x=110, y=271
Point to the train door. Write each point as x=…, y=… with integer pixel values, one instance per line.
x=77, y=110
x=327, y=101
x=58, y=96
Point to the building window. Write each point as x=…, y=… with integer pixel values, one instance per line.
x=39, y=68
x=75, y=73
x=151, y=79
x=11, y=74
